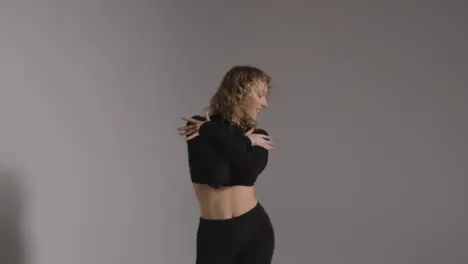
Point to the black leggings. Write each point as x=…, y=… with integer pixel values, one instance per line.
x=246, y=239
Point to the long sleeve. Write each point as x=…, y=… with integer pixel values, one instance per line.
x=206, y=165
x=244, y=158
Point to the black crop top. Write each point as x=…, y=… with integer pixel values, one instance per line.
x=223, y=156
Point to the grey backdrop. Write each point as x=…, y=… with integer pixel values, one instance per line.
x=368, y=112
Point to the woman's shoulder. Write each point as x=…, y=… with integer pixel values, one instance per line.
x=198, y=117
x=260, y=131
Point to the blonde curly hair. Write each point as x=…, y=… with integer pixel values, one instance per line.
x=235, y=87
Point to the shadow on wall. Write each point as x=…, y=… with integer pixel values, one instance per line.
x=12, y=248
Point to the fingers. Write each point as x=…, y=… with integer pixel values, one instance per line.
x=249, y=132
x=207, y=116
x=268, y=145
x=266, y=137
x=191, y=120
x=194, y=135
x=187, y=130
x=264, y=143
x=191, y=131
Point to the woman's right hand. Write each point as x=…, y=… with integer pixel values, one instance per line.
x=260, y=140
x=190, y=131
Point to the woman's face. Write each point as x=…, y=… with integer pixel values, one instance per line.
x=256, y=100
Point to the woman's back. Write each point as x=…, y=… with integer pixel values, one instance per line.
x=224, y=202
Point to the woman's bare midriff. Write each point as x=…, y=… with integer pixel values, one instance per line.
x=226, y=202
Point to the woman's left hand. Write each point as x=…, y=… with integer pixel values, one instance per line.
x=192, y=130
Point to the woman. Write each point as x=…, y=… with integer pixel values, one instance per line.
x=226, y=155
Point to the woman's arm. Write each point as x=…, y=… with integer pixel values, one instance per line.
x=206, y=165
x=237, y=149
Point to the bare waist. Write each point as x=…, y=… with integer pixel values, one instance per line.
x=226, y=202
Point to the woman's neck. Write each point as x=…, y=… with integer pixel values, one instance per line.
x=236, y=116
